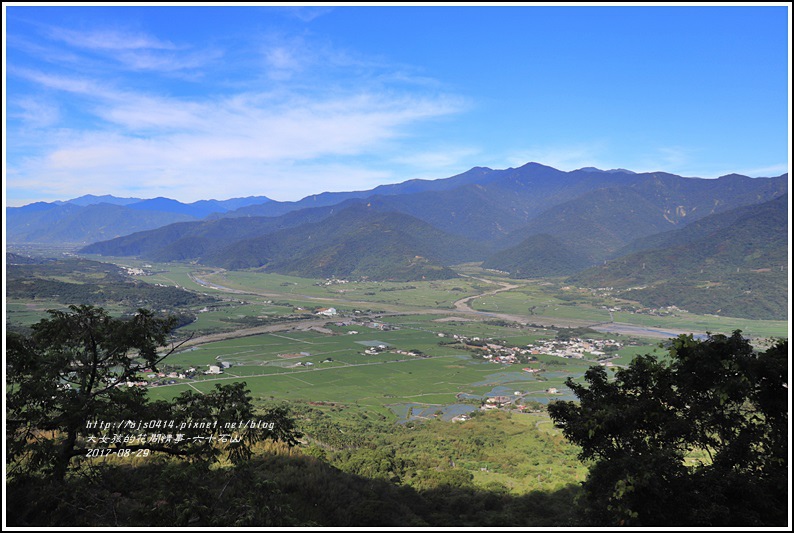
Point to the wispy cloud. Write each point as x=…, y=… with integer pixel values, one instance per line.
x=35, y=113
x=307, y=13
x=158, y=61
x=109, y=39
x=283, y=61
x=59, y=82
x=295, y=124
x=104, y=49
x=184, y=144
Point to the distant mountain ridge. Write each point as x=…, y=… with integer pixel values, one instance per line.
x=531, y=221
x=90, y=199
x=592, y=214
x=91, y=218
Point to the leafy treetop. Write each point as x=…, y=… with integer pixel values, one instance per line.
x=698, y=439
x=72, y=373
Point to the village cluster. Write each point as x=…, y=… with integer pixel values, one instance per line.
x=574, y=348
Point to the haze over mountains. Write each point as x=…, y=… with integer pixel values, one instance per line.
x=531, y=221
x=93, y=218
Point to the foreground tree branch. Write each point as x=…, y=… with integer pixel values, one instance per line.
x=70, y=374
x=698, y=439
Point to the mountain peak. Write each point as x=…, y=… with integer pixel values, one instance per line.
x=533, y=164
x=91, y=199
x=611, y=171
x=734, y=177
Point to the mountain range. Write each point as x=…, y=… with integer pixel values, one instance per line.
x=93, y=218
x=531, y=221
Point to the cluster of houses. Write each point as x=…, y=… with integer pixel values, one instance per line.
x=219, y=368
x=412, y=353
x=135, y=271
x=375, y=350
x=159, y=378
x=380, y=326
x=331, y=281
x=494, y=352
x=308, y=364
x=154, y=379
x=575, y=348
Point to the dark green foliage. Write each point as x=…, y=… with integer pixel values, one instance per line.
x=156, y=493
x=93, y=283
x=767, y=215
x=763, y=295
x=275, y=490
x=71, y=374
x=280, y=487
x=698, y=440
x=600, y=220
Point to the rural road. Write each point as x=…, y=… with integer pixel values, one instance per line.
x=461, y=306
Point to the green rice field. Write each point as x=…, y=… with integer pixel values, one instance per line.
x=329, y=363
x=341, y=372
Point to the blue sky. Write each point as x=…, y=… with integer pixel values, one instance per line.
x=216, y=102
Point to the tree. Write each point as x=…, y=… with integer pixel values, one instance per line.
x=69, y=390
x=696, y=439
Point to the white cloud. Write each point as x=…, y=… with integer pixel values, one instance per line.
x=141, y=60
x=307, y=13
x=247, y=139
x=69, y=84
x=289, y=129
x=95, y=50
x=281, y=58
x=109, y=39
x=35, y=113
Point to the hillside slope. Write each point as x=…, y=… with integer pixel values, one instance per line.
x=734, y=264
x=356, y=242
